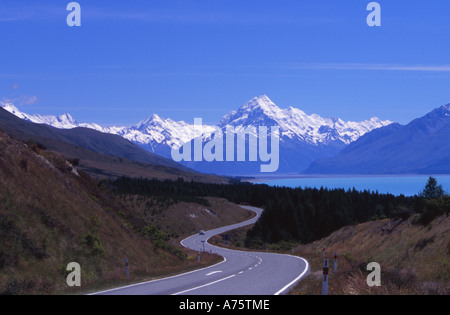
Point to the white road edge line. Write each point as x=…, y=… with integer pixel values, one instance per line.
x=205, y=285
x=292, y=283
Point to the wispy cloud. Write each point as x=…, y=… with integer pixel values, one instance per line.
x=147, y=14
x=364, y=66
x=12, y=12
x=184, y=17
x=15, y=16
x=21, y=100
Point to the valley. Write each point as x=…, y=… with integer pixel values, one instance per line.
x=136, y=205
x=224, y=148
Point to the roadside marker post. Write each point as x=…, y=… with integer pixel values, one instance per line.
x=335, y=261
x=126, y=268
x=325, y=277
x=226, y=240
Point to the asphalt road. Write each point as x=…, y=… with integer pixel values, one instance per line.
x=240, y=273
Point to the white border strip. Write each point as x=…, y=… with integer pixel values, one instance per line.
x=289, y=286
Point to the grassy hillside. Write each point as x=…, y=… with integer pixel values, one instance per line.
x=103, y=166
x=52, y=214
x=414, y=259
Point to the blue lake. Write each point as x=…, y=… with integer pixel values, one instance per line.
x=396, y=185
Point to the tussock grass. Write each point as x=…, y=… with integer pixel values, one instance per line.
x=414, y=259
x=52, y=214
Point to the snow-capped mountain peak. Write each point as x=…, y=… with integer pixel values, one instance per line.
x=262, y=102
x=258, y=111
x=64, y=121
x=296, y=124
x=153, y=120
x=11, y=108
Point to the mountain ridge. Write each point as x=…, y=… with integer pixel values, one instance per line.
x=308, y=137
x=420, y=147
x=100, y=154
x=261, y=104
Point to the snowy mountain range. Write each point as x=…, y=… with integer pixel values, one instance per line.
x=420, y=147
x=303, y=138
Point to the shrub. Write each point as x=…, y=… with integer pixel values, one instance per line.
x=23, y=165
x=17, y=287
x=35, y=146
x=433, y=209
x=422, y=243
x=93, y=244
x=97, y=250
x=75, y=162
x=403, y=213
x=152, y=233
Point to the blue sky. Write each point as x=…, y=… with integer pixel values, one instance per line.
x=196, y=58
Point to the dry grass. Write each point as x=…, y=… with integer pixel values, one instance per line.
x=414, y=259
x=51, y=216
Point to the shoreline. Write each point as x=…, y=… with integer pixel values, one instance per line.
x=256, y=179
x=405, y=184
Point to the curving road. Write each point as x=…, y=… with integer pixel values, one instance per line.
x=240, y=273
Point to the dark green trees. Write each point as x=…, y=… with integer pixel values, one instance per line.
x=290, y=214
x=435, y=202
x=432, y=190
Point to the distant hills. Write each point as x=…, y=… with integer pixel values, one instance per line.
x=420, y=147
x=101, y=154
